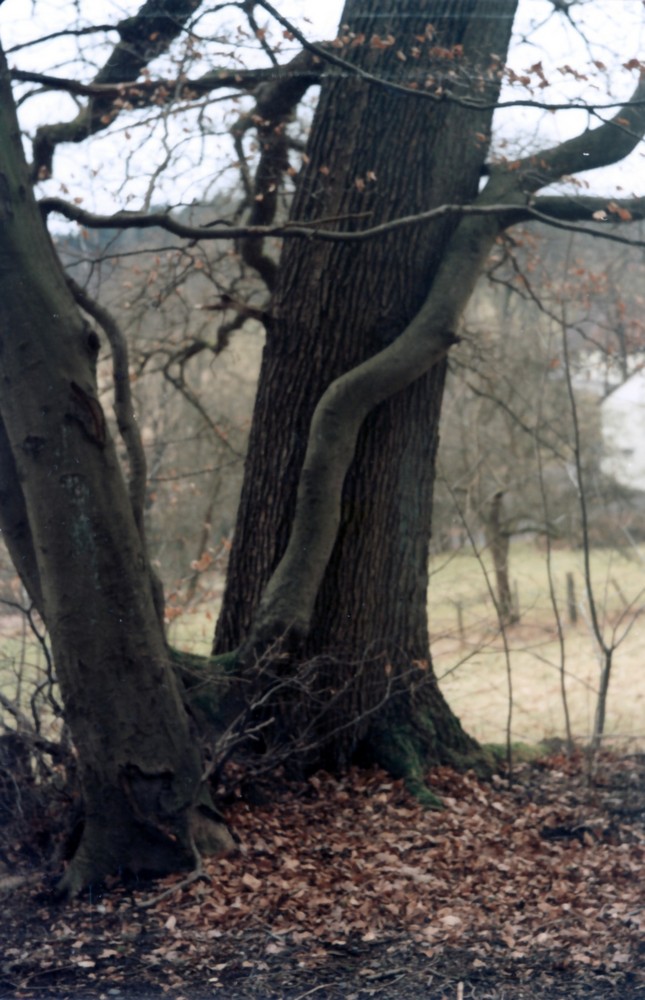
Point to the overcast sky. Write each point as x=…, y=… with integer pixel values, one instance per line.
x=110, y=170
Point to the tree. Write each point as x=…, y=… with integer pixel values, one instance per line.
x=505, y=397
x=328, y=567
x=387, y=495
x=365, y=600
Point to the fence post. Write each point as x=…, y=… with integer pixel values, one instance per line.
x=572, y=606
x=460, y=621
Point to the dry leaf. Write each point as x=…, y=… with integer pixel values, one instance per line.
x=251, y=882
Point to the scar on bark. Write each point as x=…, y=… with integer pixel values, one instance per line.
x=87, y=411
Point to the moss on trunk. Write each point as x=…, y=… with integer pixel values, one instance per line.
x=415, y=734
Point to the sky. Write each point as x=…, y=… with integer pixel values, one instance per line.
x=115, y=170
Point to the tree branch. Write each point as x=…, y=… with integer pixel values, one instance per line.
x=509, y=213
x=92, y=29
x=327, y=55
x=288, y=600
x=583, y=208
x=287, y=604
x=123, y=405
x=142, y=93
x=274, y=108
x=531, y=432
x=611, y=142
x=142, y=38
x=533, y=214
x=126, y=422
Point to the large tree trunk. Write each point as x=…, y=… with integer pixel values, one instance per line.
x=74, y=539
x=387, y=154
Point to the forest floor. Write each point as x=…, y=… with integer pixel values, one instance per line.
x=348, y=890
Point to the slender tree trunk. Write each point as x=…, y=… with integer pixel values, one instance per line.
x=336, y=306
x=499, y=544
x=82, y=558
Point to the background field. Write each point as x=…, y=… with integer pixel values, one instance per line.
x=472, y=667
x=470, y=661
x=468, y=648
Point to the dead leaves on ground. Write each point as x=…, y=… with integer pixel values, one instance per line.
x=360, y=859
x=540, y=875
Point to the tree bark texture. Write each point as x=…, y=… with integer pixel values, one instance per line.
x=385, y=154
x=75, y=541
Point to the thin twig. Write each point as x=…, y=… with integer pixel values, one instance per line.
x=502, y=629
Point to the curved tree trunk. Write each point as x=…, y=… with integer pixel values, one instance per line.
x=75, y=541
x=336, y=306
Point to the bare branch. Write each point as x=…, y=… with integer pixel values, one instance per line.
x=92, y=29
x=274, y=108
x=179, y=382
x=123, y=405
x=509, y=214
x=116, y=81
x=142, y=37
x=532, y=432
x=326, y=54
x=611, y=142
x=259, y=34
x=141, y=93
x=583, y=208
x=571, y=227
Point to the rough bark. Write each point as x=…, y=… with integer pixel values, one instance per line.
x=335, y=307
x=83, y=558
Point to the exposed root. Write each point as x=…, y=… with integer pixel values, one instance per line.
x=197, y=874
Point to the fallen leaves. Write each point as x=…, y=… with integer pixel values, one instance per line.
x=539, y=876
x=359, y=858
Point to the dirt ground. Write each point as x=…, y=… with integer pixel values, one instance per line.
x=348, y=889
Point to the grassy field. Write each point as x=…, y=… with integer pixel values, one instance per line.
x=468, y=648
x=470, y=661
